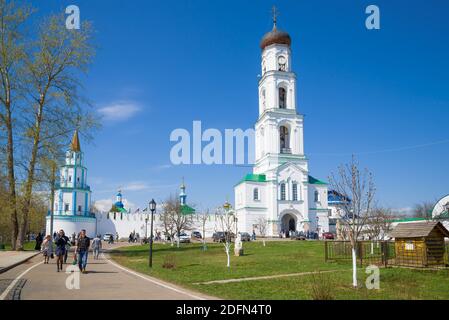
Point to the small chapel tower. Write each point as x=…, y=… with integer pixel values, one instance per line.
x=182, y=194
x=72, y=204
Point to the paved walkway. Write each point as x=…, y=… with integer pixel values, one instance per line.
x=105, y=280
x=9, y=259
x=268, y=277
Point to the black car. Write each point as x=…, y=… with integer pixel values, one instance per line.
x=196, y=235
x=245, y=236
x=221, y=236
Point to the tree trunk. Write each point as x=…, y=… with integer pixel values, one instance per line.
x=227, y=247
x=354, y=268
x=30, y=179
x=52, y=195
x=11, y=177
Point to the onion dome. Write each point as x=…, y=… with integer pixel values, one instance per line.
x=275, y=36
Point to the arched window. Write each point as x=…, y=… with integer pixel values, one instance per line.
x=295, y=191
x=283, y=197
x=256, y=194
x=282, y=98
x=263, y=99
x=317, y=196
x=284, y=140
x=264, y=67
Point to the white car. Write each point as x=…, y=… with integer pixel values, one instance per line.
x=107, y=236
x=184, y=238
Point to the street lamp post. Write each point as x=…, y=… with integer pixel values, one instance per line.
x=146, y=227
x=152, y=206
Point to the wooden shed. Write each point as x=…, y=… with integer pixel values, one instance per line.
x=420, y=244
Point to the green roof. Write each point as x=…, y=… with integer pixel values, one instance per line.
x=443, y=215
x=185, y=209
x=407, y=219
x=312, y=180
x=254, y=178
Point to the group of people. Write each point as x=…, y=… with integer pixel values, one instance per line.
x=133, y=237
x=60, y=244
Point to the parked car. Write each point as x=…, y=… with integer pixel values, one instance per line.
x=328, y=236
x=184, y=238
x=196, y=235
x=298, y=236
x=106, y=236
x=245, y=236
x=220, y=236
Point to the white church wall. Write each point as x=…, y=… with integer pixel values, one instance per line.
x=71, y=226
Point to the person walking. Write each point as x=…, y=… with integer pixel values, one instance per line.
x=61, y=244
x=111, y=239
x=47, y=248
x=96, y=246
x=67, y=249
x=82, y=250
x=39, y=239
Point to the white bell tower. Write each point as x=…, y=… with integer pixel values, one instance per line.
x=279, y=129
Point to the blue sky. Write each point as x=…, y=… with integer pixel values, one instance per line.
x=382, y=95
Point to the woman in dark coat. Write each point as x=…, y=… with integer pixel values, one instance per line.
x=39, y=240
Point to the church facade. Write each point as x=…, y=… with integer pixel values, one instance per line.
x=280, y=190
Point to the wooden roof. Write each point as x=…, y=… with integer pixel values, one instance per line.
x=417, y=229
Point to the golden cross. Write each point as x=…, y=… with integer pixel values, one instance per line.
x=275, y=15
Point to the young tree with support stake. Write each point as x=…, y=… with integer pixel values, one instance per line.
x=262, y=224
x=357, y=185
x=204, y=217
x=226, y=222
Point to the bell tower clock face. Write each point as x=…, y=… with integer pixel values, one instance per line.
x=282, y=62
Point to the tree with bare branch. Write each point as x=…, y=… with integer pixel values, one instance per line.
x=226, y=223
x=178, y=220
x=203, y=217
x=359, y=187
x=262, y=225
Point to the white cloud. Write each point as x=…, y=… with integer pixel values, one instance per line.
x=136, y=186
x=120, y=110
x=403, y=211
x=161, y=167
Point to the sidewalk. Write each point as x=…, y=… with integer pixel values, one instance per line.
x=10, y=259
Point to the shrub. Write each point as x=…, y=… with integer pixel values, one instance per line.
x=322, y=286
x=169, y=262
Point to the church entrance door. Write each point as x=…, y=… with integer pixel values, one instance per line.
x=288, y=224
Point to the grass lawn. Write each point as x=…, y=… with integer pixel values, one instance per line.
x=192, y=266
x=27, y=246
